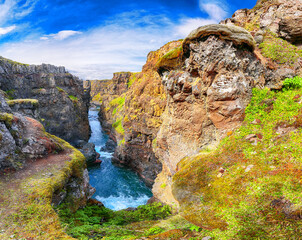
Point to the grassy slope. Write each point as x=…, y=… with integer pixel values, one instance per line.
x=233, y=189
x=25, y=202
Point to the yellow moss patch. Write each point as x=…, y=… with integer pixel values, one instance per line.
x=34, y=102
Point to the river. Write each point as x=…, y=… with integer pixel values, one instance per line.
x=117, y=188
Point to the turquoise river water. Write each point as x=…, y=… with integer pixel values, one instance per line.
x=117, y=188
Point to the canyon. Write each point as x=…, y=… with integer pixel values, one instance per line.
x=212, y=124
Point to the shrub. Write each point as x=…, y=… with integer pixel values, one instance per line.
x=292, y=83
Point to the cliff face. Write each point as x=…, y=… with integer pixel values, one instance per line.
x=145, y=102
x=132, y=105
x=36, y=170
x=63, y=102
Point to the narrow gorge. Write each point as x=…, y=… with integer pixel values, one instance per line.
x=203, y=143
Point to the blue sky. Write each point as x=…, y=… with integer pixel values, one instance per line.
x=93, y=39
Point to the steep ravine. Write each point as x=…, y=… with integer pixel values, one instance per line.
x=117, y=188
x=194, y=93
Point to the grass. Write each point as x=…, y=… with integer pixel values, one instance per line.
x=98, y=222
x=279, y=50
x=73, y=98
x=28, y=213
x=118, y=126
x=34, y=102
x=239, y=203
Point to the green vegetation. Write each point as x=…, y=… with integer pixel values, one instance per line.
x=10, y=94
x=118, y=126
x=73, y=98
x=119, y=101
x=250, y=187
x=98, y=98
x=132, y=79
x=61, y=90
x=279, y=50
x=7, y=118
x=292, y=83
x=170, y=60
x=98, y=222
x=30, y=215
x=34, y=102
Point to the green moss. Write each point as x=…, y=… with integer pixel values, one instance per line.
x=32, y=216
x=119, y=101
x=170, y=60
x=7, y=118
x=33, y=102
x=98, y=98
x=73, y=98
x=98, y=222
x=292, y=83
x=61, y=90
x=279, y=50
x=10, y=94
x=119, y=127
x=132, y=79
x=236, y=203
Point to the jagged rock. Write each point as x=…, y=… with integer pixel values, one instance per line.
x=213, y=88
x=239, y=36
x=110, y=146
x=282, y=17
x=63, y=105
x=27, y=107
x=88, y=150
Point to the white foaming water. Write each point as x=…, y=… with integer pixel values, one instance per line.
x=122, y=202
x=117, y=188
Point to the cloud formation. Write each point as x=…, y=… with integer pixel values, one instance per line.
x=6, y=30
x=61, y=35
x=11, y=10
x=120, y=44
x=215, y=12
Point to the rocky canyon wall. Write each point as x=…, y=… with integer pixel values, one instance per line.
x=63, y=102
x=192, y=93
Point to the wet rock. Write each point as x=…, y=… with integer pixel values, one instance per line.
x=95, y=202
x=109, y=146
x=88, y=150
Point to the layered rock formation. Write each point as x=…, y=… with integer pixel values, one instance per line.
x=36, y=170
x=63, y=103
x=207, y=95
x=202, y=90
x=282, y=17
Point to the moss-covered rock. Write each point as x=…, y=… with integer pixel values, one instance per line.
x=250, y=186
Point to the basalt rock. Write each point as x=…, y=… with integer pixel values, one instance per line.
x=282, y=17
x=207, y=96
x=63, y=104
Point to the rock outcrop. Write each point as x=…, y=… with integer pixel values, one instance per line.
x=36, y=169
x=134, y=114
x=207, y=95
x=63, y=104
x=282, y=17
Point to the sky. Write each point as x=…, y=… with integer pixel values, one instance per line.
x=95, y=38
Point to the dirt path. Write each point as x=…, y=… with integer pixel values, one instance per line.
x=14, y=188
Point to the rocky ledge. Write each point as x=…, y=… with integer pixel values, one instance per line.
x=63, y=102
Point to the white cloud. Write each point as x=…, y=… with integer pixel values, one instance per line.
x=215, y=11
x=122, y=44
x=97, y=53
x=189, y=24
x=13, y=9
x=6, y=30
x=61, y=35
